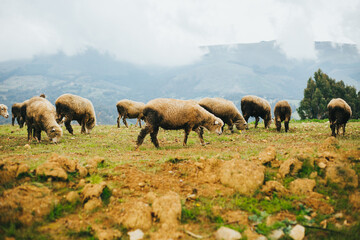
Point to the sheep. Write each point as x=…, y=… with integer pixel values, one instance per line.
x=226, y=111
x=74, y=107
x=22, y=112
x=253, y=106
x=41, y=116
x=130, y=109
x=4, y=111
x=282, y=112
x=339, y=114
x=173, y=114
x=16, y=114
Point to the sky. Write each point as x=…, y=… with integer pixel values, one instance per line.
x=171, y=32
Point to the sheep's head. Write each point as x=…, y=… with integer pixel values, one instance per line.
x=55, y=133
x=215, y=125
x=241, y=124
x=268, y=120
x=3, y=111
x=90, y=124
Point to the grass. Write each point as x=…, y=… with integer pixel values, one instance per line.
x=124, y=168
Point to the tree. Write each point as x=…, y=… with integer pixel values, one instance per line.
x=320, y=91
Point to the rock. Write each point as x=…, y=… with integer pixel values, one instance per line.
x=251, y=235
x=93, y=163
x=322, y=165
x=276, y=234
x=355, y=200
x=9, y=171
x=81, y=183
x=133, y=215
x=225, y=233
x=73, y=197
x=83, y=172
x=136, y=235
x=92, y=204
x=242, y=175
x=92, y=191
x=274, y=186
x=267, y=155
x=27, y=146
x=150, y=197
x=342, y=175
x=261, y=238
x=51, y=169
x=313, y=175
x=108, y=234
x=168, y=208
x=297, y=232
x=65, y=163
x=290, y=166
x=25, y=204
x=302, y=186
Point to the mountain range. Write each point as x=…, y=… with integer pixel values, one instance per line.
x=228, y=71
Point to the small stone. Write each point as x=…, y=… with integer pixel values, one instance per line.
x=322, y=165
x=276, y=234
x=297, y=232
x=339, y=215
x=313, y=175
x=92, y=204
x=136, y=235
x=225, y=233
x=27, y=146
x=81, y=183
x=73, y=197
x=142, y=184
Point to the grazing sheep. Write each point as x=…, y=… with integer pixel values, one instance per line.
x=253, y=106
x=22, y=119
x=173, y=114
x=16, y=113
x=226, y=111
x=282, y=112
x=339, y=114
x=129, y=109
x=77, y=108
x=3, y=111
x=41, y=116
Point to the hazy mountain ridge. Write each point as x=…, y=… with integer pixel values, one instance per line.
x=229, y=71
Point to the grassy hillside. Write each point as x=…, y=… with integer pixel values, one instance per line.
x=327, y=210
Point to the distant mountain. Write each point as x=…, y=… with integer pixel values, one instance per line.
x=229, y=71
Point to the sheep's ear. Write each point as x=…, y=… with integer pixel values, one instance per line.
x=52, y=130
x=216, y=122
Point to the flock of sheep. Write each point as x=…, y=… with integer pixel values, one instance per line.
x=172, y=114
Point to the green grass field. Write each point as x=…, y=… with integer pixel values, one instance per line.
x=130, y=175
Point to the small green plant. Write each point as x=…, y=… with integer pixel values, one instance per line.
x=105, y=195
x=60, y=210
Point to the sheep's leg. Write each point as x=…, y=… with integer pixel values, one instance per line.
x=38, y=134
x=145, y=131
x=332, y=127
x=153, y=136
x=68, y=126
x=124, y=121
x=286, y=126
x=118, y=121
x=246, y=117
x=257, y=121
x=344, y=125
x=337, y=128
x=200, y=132
x=29, y=130
x=13, y=120
x=139, y=120
x=187, y=131
x=82, y=123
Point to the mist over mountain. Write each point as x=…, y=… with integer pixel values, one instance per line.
x=229, y=71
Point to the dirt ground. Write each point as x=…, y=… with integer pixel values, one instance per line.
x=256, y=181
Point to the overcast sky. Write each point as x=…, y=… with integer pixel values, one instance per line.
x=169, y=32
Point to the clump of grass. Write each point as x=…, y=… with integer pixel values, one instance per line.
x=105, y=195
x=61, y=209
x=175, y=160
x=95, y=179
x=87, y=233
x=17, y=231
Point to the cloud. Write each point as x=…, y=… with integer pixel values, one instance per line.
x=166, y=32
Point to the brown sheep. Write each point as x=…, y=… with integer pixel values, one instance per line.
x=22, y=113
x=41, y=116
x=173, y=114
x=282, y=112
x=339, y=114
x=74, y=107
x=226, y=111
x=4, y=111
x=253, y=106
x=130, y=109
